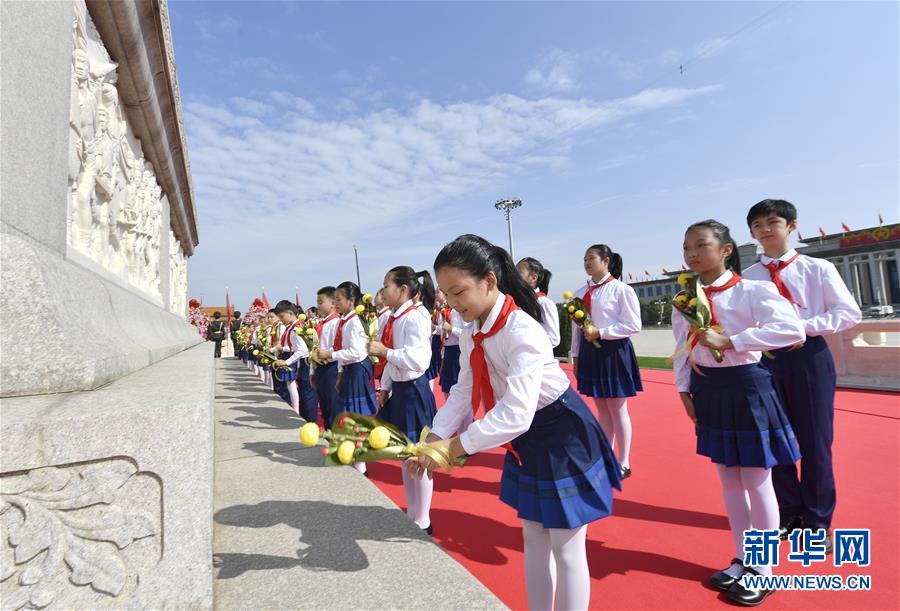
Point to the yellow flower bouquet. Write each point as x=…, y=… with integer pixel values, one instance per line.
x=579, y=315
x=368, y=316
x=693, y=304
x=357, y=438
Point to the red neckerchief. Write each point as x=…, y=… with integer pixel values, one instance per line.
x=387, y=336
x=321, y=325
x=775, y=268
x=710, y=291
x=482, y=391
x=339, y=336
x=589, y=295
x=285, y=337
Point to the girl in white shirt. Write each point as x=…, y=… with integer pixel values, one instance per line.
x=406, y=399
x=738, y=416
x=554, y=443
x=355, y=386
x=538, y=277
x=452, y=329
x=610, y=373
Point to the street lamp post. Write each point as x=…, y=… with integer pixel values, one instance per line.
x=356, y=256
x=508, y=205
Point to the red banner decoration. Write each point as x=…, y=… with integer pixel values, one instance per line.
x=871, y=236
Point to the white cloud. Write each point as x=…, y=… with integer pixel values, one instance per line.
x=291, y=101
x=557, y=71
x=213, y=27
x=251, y=107
x=283, y=180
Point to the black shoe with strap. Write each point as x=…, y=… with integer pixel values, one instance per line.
x=737, y=593
x=722, y=580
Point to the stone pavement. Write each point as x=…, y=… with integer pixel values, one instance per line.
x=289, y=533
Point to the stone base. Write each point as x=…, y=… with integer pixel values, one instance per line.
x=107, y=494
x=64, y=328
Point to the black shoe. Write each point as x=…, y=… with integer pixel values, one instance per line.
x=722, y=580
x=428, y=530
x=624, y=472
x=828, y=544
x=737, y=593
x=788, y=525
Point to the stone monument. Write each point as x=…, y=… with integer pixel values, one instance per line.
x=106, y=464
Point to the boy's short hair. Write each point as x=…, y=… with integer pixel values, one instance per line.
x=327, y=291
x=285, y=306
x=778, y=207
x=272, y=311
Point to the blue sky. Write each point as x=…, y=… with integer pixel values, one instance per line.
x=395, y=126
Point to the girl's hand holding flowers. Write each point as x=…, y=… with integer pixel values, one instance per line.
x=715, y=340
x=376, y=348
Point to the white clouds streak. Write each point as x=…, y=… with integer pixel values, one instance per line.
x=268, y=173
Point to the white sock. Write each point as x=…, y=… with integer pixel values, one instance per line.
x=540, y=567
x=424, y=490
x=295, y=396
x=431, y=384
x=738, y=507
x=605, y=419
x=621, y=423
x=573, y=585
x=409, y=491
x=360, y=466
x=763, y=502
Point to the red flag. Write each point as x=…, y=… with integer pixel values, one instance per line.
x=630, y=278
x=822, y=232
x=265, y=300
x=665, y=273
x=799, y=235
x=880, y=219
x=297, y=298
x=646, y=273
x=844, y=226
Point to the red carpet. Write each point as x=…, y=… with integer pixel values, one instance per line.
x=669, y=531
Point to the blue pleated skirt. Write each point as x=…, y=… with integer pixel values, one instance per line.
x=449, y=367
x=568, y=470
x=357, y=394
x=608, y=371
x=287, y=375
x=435, y=367
x=740, y=421
x=326, y=379
x=411, y=406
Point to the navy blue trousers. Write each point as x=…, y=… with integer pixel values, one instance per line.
x=326, y=378
x=805, y=381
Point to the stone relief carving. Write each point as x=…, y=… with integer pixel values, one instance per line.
x=115, y=206
x=82, y=533
x=177, y=276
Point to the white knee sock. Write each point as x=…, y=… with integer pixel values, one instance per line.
x=621, y=421
x=295, y=396
x=763, y=502
x=409, y=491
x=604, y=419
x=738, y=507
x=540, y=567
x=424, y=488
x=573, y=586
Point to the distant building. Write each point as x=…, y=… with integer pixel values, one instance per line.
x=866, y=260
